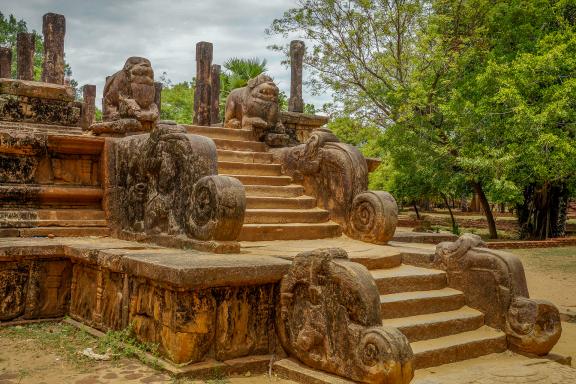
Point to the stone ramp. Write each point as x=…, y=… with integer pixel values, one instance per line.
x=277, y=208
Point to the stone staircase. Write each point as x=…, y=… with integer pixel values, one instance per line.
x=435, y=319
x=277, y=208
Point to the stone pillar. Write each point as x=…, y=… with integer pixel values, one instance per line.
x=89, y=106
x=5, y=62
x=158, y=95
x=296, y=103
x=215, y=94
x=202, y=93
x=53, y=28
x=25, y=55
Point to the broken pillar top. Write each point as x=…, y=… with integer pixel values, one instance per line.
x=54, y=29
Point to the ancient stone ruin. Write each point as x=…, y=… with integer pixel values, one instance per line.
x=234, y=245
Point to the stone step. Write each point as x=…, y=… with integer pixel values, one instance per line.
x=295, y=231
x=255, y=169
x=56, y=231
x=240, y=145
x=71, y=195
x=414, y=303
x=406, y=278
x=53, y=214
x=458, y=347
x=51, y=223
x=292, y=190
x=434, y=325
x=221, y=132
x=245, y=157
x=262, y=202
x=283, y=216
x=261, y=180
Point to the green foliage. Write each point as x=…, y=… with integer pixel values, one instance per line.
x=467, y=93
x=9, y=29
x=124, y=344
x=177, y=101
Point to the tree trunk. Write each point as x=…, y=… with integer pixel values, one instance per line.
x=454, y=225
x=543, y=213
x=486, y=207
x=416, y=209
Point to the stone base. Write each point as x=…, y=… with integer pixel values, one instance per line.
x=36, y=102
x=292, y=369
x=196, y=306
x=120, y=128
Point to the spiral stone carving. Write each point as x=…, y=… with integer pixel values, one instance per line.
x=533, y=326
x=329, y=318
x=217, y=208
x=373, y=217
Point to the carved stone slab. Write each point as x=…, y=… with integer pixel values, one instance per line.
x=329, y=318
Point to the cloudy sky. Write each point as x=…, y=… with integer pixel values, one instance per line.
x=102, y=34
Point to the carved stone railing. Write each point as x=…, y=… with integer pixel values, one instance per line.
x=337, y=174
x=329, y=318
x=494, y=283
x=166, y=183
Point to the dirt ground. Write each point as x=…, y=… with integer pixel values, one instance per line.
x=49, y=353
x=551, y=274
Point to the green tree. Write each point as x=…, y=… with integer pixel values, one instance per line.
x=177, y=100
x=430, y=73
x=9, y=29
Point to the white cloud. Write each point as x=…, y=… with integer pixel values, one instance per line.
x=101, y=35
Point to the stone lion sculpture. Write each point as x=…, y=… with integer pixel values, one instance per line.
x=128, y=102
x=255, y=107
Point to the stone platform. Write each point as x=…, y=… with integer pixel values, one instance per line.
x=205, y=309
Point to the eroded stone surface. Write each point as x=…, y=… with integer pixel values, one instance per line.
x=35, y=102
x=337, y=174
x=329, y=318
x=166, y=183
x=53, y=29
x=129, y=100
x=255, y=107
x=494, y=282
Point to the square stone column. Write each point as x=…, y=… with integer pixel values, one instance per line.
x=215, y=94
x=25, y=55
x=158, y=95
x=202, y=94
x=5, y=62
x=54, y=29
x=296, y=103
x=89, y=106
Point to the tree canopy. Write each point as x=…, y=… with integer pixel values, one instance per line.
x=475, y=92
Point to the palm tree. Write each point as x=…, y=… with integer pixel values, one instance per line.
x=236, y=74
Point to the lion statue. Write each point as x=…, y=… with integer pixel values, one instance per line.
x=255, y=107
x=128, y=102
